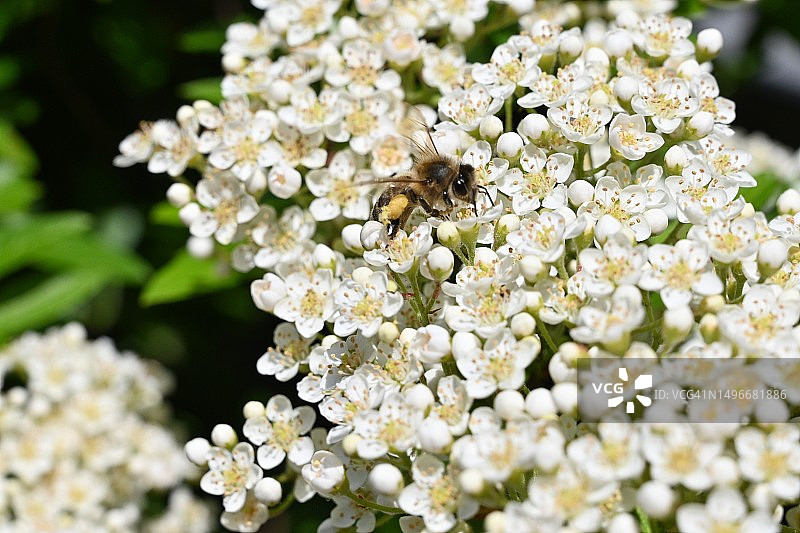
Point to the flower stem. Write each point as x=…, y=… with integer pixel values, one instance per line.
x=281, y=507
x=644, y=521
x=509, y=115
x=344, y=489
x=544, y=334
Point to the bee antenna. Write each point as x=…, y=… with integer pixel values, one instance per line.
x=485, y=191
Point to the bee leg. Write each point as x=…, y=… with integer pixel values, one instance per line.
x=428, y=209
x=447, y=200
x=485, y=191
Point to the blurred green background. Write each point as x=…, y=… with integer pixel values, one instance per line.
x=79, y=238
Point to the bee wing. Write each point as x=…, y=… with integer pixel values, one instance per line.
x=398, y=178
x=417, y=133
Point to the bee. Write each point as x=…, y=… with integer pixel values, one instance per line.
x=435, y=182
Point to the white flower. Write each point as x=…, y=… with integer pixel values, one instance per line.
x=610, y=320
x=281, y=240
x=486, y=309
x=541, y=182
x=727, y=164
x=364, y=121
x=668, y=102
x=136, y=147
x=453, y=405
x=580, y=121
x=310, y=113
x=760, y=322
x=771, y=458
x=431, y=343
x=248, y=519
x=613, y=454
x=228, y=205
x=304, y=19
x=283, y=361
x=570, y=497
x=435, y=495
x=363, y=307
x=679, y=272
x=541, y=236
x=562, y=300
x=243, y=146
x=390, y=155
x=724, y=510
x=308, y=302
x=393, y=427
x=361, y=72
x=499, y=364
x=324, y=473
x=352, y=395
x=677, y=455
x=335, y=191
x=628, y=135
x=727, y=240
x=660, y=35
x=281, y=433
x=507, y=69
x=403, y=251
x=697, y=193
x=174, y=146
x=443, y=68
x=618, y=263
x=553, y=91
x=467, y=107
x=706, y=89
x=231, y=474
x=298, y=149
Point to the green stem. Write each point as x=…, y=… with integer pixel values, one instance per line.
x=580, y=156
x=281, y=507
x=399, y=280
x=562, y=268
x=509, y=115
x=644, y=521
x=344, y=489
x=422, y=316
x=544, y=334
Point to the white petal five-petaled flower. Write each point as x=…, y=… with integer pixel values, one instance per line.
x=335, y=190
x=678, y=272
x=579, y=120
x=541, y=182
x=324, y=472
x=231, y=474
x=628, y=135
x=308, y=302
x=280, y=433
x=364, y=306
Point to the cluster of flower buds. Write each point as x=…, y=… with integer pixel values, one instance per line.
x=443, y=359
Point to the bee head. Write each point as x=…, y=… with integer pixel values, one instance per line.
x=463, y=186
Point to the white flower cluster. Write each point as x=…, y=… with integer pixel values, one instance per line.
x=445, y=358
x=81, y=449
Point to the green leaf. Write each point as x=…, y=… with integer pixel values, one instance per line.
x=17, y=166
x=766, y=192
x=202, y=41
x=202, y=89
x=184, y=277
x=17, y=195
x=22, y=238
x=51, y=300
x=89, y=252
x=165, y=214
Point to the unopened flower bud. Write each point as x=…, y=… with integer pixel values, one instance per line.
x=565, y=395
x=280, y=91
x=571, y=352
x=491, y=127
x=324, y=257
x=712, y=303
x=655, y=498
x=623, y=523
x=700, y=125
x=388, y=332
x=419, y=396
x=724, y=470
x=540, y=403
x=533, y=126
x=232, y=62
x=618, y=43
x=439, y=263
x=522, y=325
x=675, y=160
x=495, y=522
x=598, y=98
x=200, y=247
x=348, y=27
x=197, y=450
x=625, y=88
x=371, y=234
x=570, y=48
x=471, y=481
x=709, y=327
x=533, y=302
x=224, y=436
x=386, y=479
x=434, y=435
x=579, y=192
x=350, y=443
x=772, y=254
x=508, y=223
x=351, y=238
x=189, y=213
x=509, y=404
x=532, y=268
x=789, y=202
x=709, y=43
x=179, y=194
x=361, y=275
x=689, y=69
x=448, y=234
x=509, y=144
x=606, y=227
x=771, y=411
x=678, y=322
x=657, y=220
x=748, y=211
x=268, y=491
x=253, y=409
x=462, y=28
